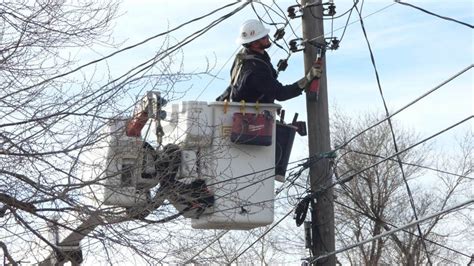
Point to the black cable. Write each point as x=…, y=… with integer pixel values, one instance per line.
x=272, y=24
x=348, y=178
x=406, y=231
x=129, y=74
x=128, y=47
x=347, y=11
x=287, y=20
x=373, y=13
x=302, y=209
x=347, y=24
x=410, y=164
x=393, y=231
x=406, y=106
x=436, y=15
x=412, y=203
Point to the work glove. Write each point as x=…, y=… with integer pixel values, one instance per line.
x=314, y=73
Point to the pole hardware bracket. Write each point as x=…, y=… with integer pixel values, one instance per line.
x=296, y=45
x=330, y=11
x=330, y=43
x=292, y=11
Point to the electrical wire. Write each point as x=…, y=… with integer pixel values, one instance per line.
x=393, y=231
x=395, y=145
x=273, y=24
x=342, y=179
x=406, y=231
x=191, y=260
x=128, y=47
x=129, y=74
x=232, y=55
x=287, y=20
x=373, y=13
x=277, y=192
x=348, y=178
x=410, y=164
x=339, y=146
x=433, y=14
x=346, y=25
x=264, y=234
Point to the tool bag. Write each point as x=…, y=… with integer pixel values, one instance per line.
x=252, y=128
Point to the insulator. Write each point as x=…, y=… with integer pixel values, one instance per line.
x=293, y=46
x=279, y=34
x=334, y=44
x=291, y=12
x=332, y=10
x=282, y=64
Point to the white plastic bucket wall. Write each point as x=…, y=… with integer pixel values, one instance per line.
x=106, y=161
x=187, y=124
x=240, y=176
x=121, y=175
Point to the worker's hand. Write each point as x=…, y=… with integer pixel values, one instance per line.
x=314, y=73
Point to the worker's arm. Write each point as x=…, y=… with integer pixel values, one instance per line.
x=271, y=88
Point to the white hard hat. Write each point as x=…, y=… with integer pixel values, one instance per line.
x=251, y=30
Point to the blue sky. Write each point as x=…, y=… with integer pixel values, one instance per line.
x=414, y=52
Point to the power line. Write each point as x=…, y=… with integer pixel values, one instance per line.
x=344, y=179
x=131, y=46
x=436, y=15
x=390, y=232
x=412, y=202
x=129, y=74
x=348, y=178
x=406, y=106
x=353, y=22
x=260, y=237
x=226, y=62
x=297, y=174
x=191, y=260
x=385, y=222
x=410, y=164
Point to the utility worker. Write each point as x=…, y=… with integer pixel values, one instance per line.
x=253, y=78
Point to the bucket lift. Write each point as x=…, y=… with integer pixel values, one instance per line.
x=215, y=162
x=217, y=181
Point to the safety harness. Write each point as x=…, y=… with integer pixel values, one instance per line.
x=237, y=79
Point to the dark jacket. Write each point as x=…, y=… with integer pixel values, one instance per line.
x=257, y=81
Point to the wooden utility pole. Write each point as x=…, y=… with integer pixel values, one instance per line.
x=322, y=208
